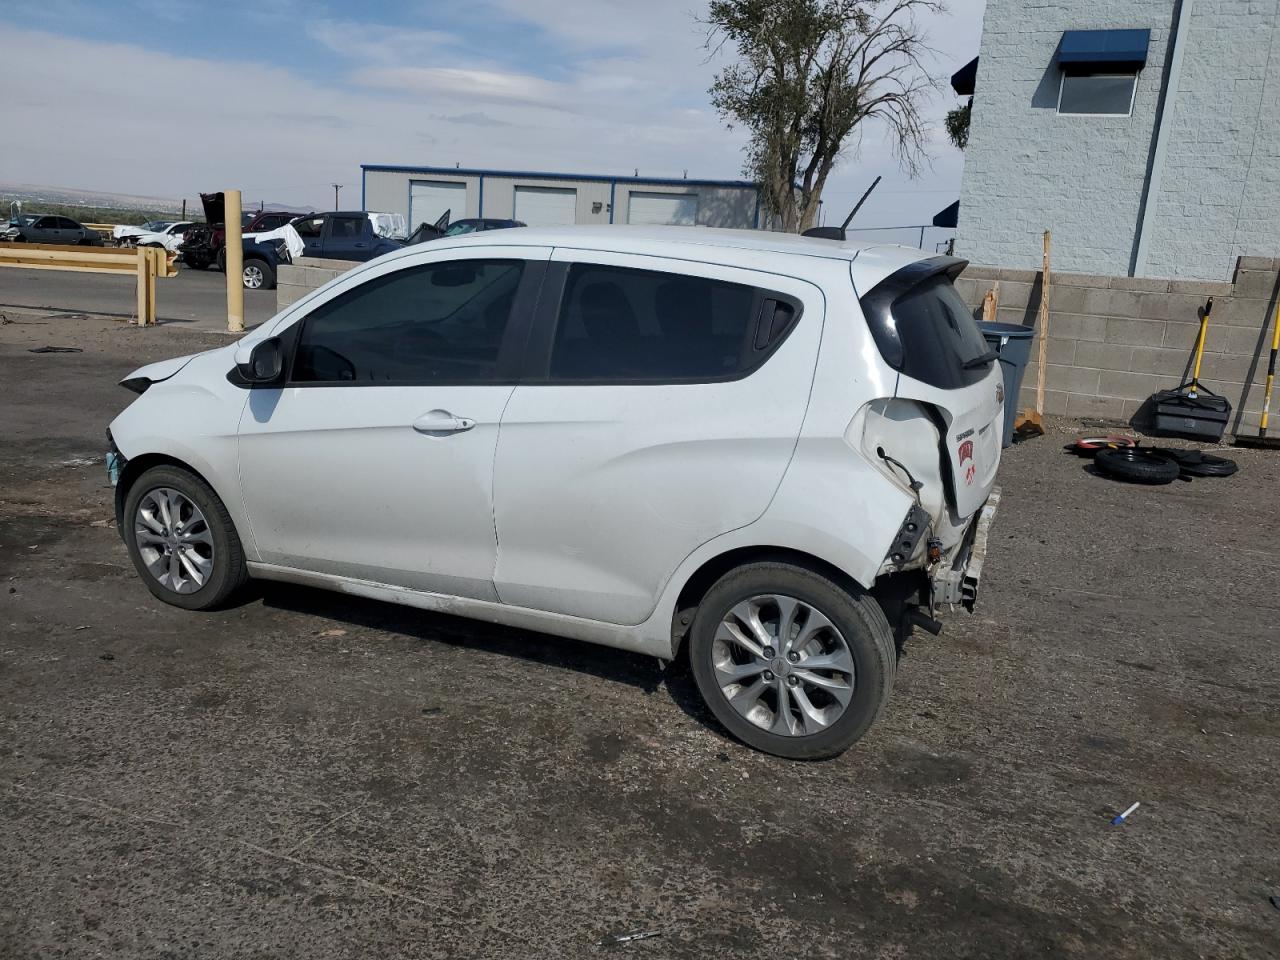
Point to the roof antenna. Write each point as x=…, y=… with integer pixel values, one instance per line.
x=837, y=233
x=686, y=174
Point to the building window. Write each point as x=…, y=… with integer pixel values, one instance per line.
x=1098, y=94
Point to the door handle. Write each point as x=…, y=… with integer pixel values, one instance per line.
x=440, y=422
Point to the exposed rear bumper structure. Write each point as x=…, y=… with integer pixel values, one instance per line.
x=958, y=583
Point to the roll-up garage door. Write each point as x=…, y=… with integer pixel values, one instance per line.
x=546, y=206
x=430, y=198
x=675, y=209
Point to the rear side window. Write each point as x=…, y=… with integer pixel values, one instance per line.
x=923, y=327
x=618, y=324
x=436, y=323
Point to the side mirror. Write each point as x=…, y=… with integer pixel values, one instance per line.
x=264, y=362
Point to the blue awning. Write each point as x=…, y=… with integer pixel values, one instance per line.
x=964, y=79
x=1104, y=48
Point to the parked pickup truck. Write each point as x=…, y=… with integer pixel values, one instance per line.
x=350, y=234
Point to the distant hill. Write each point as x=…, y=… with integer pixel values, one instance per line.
x=32, y=194
x=89, y=206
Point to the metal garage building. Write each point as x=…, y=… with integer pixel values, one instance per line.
x=422, y=194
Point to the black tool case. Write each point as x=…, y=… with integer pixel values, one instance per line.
x=1191, y=412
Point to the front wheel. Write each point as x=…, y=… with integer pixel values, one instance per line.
x=790, y=662
x=181, y=539
x=258, y=274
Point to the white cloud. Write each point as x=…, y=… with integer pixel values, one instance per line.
x=482, y=85
x=627, y=91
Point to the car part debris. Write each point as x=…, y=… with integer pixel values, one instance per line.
x=1116, y=821
x=1088, y=446
x=1197, y=463
x=55, y=350
x=629, y=937
x=1137, y=466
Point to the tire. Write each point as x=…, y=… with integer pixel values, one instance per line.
x=257, y=274
x=854, y=619
x=196, y=264
x=1136, y=466
x=222, y=259
x=227, y=572
x=1196, y=463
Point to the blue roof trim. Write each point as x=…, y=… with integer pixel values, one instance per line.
x=541, y=175
x=1086, y=47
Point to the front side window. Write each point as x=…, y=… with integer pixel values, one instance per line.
x=1100, y=94
x=309, y=229
x=623, y=324
x=436, y=323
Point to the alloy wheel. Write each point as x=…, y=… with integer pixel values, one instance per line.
x=174, y=540
x=253, y=276
x=783, y=665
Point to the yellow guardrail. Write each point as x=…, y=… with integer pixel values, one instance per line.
x=105, y=228
x=147, y=264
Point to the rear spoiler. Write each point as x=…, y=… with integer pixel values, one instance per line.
x=877, y=303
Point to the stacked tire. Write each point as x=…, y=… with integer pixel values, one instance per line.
x=1157, y=465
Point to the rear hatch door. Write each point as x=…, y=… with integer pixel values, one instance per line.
x=927, y=333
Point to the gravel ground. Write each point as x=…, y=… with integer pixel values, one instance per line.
x=311, y=775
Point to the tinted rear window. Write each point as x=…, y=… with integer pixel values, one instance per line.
x=939, y=335
x=619, y=324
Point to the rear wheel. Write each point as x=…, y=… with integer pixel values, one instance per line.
x=222, y=259
x=789, y=661
x=181, y=539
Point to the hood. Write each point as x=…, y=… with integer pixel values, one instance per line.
x=161, y=370
x=214, y=209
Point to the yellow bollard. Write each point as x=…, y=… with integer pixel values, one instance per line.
x=235, y=261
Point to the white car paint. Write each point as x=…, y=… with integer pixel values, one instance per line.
x=576, y=510
x=170, y=237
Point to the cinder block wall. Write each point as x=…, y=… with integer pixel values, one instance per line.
x=1114, y=341
x=295, y=280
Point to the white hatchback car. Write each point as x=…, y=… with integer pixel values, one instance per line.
x=776, y=451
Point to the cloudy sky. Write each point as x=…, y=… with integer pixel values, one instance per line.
x=284, y=97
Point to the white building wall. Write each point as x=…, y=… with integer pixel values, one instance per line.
x=718, y=206
x=1220, y=192
x=1028, y=169
x=499, y=196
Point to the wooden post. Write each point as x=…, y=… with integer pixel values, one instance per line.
x=1030, y=420
x=1043, y=323
x=155, y=257
x=143, y=298
x=234, y=261
x=991, y=303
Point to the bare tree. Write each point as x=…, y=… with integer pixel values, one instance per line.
x=808, y=73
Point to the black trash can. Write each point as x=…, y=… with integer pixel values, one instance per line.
x=1012, y=342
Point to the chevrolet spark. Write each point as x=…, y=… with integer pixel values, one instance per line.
x=775, y=452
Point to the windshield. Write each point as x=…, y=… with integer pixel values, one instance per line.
x=154, y=226
x=462, y=226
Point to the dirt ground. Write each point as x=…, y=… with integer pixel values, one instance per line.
x=310, y=775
